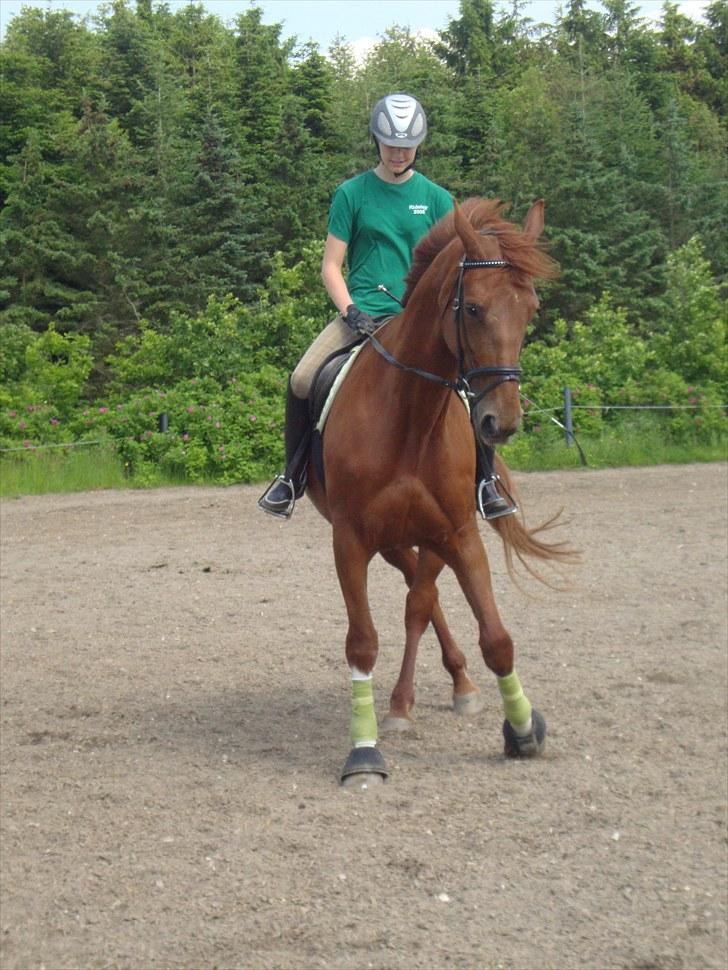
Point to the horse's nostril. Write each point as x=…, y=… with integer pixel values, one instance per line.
x=489, y=426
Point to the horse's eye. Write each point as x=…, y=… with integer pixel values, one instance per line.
x=472, y=309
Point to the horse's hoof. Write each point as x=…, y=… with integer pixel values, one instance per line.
x=468, y=705
x=396, y=725
x=361, y=782
x=362, y=767
x=530, y=744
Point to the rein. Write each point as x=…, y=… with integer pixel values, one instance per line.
x=461, y=385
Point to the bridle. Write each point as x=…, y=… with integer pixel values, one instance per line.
x=462, y=384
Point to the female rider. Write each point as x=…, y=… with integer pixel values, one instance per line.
x=375, y=221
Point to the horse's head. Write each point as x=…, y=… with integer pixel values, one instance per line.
x=494, y=301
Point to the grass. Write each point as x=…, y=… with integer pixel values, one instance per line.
x=69, y=470
x=611, y=451
x=87, y=469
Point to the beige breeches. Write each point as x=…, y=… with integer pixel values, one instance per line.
x=335, y=336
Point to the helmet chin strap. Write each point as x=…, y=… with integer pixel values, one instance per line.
x=398, y=175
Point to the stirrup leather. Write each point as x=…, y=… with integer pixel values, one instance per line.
x=491, y=504
x=279, y=498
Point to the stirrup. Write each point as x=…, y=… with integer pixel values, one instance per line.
x=279, y=498
x=491, y=504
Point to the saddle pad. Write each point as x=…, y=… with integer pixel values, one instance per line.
x=335, y=387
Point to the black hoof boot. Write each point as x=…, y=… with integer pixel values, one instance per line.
x=279, y=498
x=363, y=762
x=491, y=504
x=530, y=744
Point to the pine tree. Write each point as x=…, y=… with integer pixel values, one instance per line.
x=712, y=43
x=46, y=268
x=46, y=59
x=218, y=215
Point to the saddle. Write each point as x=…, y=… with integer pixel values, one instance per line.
x=326, y=384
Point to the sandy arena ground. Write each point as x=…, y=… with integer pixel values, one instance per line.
x=175, y=715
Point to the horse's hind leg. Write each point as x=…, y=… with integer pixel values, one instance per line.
x=422, y=607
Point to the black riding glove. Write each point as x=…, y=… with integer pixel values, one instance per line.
x=360, y=322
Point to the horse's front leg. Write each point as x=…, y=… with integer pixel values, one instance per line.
x=423, y=606
x=524, y=728
x=365, y=764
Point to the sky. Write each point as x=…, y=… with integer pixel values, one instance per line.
x=359, y=21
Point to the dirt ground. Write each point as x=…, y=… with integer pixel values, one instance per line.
x=175, y=715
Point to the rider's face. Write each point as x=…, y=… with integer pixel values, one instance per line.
x=395, y=158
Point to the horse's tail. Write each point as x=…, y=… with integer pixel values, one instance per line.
x=525, y=543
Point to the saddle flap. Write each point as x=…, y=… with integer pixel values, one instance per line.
x=328, y=380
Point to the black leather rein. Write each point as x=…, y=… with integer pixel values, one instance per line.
x=462, y=385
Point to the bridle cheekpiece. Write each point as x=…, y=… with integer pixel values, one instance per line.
x=502, y=374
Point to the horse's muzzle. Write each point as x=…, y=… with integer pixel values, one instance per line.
x=496, y=430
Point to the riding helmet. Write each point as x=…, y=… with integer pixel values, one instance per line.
x=399, y=119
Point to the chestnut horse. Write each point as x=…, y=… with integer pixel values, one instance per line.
x=399, y=461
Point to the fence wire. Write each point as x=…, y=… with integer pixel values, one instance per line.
x=532, y=406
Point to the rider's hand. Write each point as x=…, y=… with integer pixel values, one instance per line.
x=360, y=322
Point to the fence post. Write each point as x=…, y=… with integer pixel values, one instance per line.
x=164, y=422
x=568, y=417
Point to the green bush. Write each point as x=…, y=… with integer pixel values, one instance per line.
x=44, y=379
x=223, y=433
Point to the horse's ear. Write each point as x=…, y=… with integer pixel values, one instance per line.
x=533, y=226
x=464, y=229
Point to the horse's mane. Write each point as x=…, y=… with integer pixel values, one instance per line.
x=486, y=217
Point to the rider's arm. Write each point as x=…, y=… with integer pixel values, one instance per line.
x=332, y=275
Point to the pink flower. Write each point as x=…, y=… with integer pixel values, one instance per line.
x=253, y=417
x=103, y=410
x=55, y=421
x=190, y=410
x=185, y=437
x=13, y=414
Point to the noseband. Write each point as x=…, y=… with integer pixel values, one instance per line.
x=462, y=385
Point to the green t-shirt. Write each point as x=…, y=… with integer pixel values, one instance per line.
x=381, y=223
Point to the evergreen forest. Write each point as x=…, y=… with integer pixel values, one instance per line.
x=165, y=180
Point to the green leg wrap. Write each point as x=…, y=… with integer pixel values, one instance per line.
x=516, y=705
x=363, y=718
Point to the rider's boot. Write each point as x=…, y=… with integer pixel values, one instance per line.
x=491, y=504
x=280, y=496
